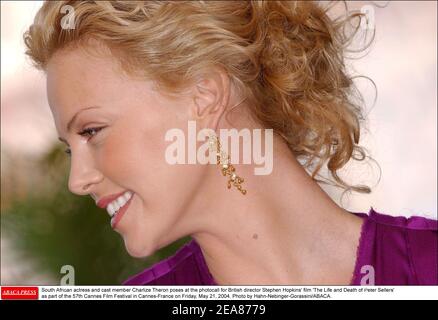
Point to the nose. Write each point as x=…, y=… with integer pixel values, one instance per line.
x=83, y=175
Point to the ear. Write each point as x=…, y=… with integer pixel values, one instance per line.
x=211, y=94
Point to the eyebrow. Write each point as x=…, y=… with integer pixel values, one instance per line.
x=72, y=121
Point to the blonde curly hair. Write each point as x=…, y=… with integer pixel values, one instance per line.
x=286, y=57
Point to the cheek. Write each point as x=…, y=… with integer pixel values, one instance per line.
x=132, y=156
x=124, y=154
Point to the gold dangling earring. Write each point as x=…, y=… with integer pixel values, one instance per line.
x=227, y=168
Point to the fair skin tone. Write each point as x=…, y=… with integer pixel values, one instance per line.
x=285, y=230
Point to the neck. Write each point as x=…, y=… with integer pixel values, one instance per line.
x=285, y=230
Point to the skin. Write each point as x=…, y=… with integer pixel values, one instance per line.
x=285, y=230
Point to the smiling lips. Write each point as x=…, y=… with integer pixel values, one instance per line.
x=114, y=203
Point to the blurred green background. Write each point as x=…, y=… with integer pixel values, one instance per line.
x=50, y=227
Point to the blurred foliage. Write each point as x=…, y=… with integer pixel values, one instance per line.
x=52, y=227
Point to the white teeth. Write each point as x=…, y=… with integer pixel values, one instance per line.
x=121, y=201
x=127, y=196
x=111, y=210
x=114, y=206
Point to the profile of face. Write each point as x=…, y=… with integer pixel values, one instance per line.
x=117, y=144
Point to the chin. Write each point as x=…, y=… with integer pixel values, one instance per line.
x=137, y=250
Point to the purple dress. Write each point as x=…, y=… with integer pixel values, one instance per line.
x=391, y=251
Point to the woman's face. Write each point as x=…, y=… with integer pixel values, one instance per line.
x=126, y=151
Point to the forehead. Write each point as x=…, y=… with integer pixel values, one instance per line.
x=79, y=77
x=74, y=75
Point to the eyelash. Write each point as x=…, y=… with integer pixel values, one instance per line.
x=85, y=132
